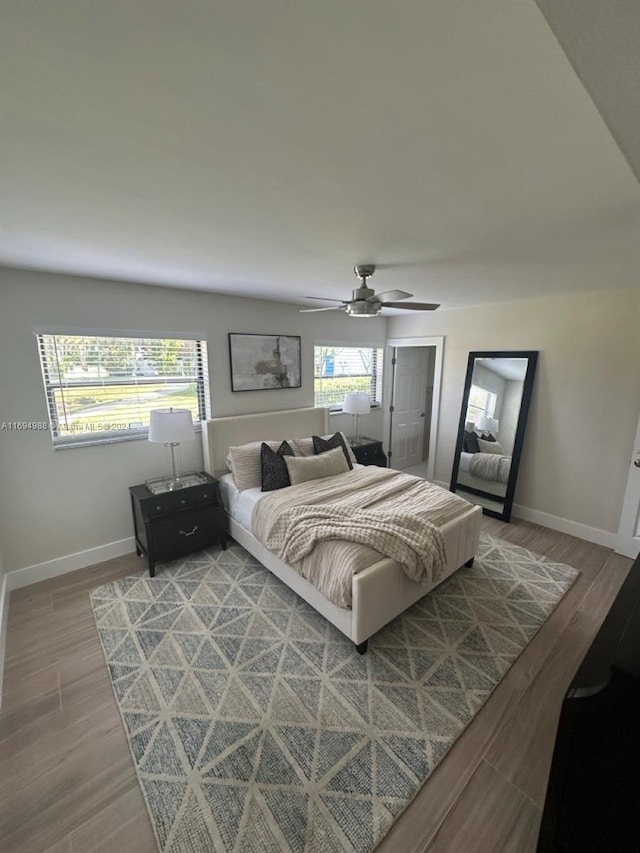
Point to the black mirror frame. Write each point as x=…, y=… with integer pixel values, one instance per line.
x=527, y=390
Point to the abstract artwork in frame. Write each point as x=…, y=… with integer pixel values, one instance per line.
x=264, y=362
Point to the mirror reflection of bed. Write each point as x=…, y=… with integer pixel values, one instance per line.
x=492, y=424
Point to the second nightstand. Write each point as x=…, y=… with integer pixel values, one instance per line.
x=172, y=524
x=368, y=451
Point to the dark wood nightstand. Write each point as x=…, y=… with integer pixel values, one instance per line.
x=172, y=524
x=368, y=451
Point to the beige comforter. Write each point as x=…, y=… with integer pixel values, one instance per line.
x=490, y=466
x=330, y=529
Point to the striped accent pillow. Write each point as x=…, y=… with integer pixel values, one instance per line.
x=245, y=464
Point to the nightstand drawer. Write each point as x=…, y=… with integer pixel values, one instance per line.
x=168, y=502
x=188, y=531
x=367, y=454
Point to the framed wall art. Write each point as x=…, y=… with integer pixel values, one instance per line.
x=264, y=362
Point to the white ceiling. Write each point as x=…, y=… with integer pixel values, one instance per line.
x=602, y=41
x=263, y=148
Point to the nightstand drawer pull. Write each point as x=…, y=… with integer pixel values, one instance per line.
x=183, y=501
x=190, y=533
x=158, y=507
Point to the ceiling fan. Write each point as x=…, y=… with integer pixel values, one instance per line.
x=366, y=302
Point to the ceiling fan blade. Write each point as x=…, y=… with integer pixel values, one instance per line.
x=390, y=296
x=414, y=306
x=332, y=308
x=324, y=299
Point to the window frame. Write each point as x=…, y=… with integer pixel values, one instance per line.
x=376, y=375
x=61, y=441
x=491, y=397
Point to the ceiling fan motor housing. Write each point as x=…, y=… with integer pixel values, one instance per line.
x=363, y=302
x=363, y=292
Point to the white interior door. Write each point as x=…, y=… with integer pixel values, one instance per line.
x=629, y=531
x=409, y=416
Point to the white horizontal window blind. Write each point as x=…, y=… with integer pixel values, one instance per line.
x=341, y=369
x=102, y=388
x=482, y=403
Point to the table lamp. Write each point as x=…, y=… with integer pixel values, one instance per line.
x=357, y=403
x=488, y=426
x=170, y=427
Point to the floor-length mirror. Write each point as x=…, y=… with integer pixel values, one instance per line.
x=493, y=417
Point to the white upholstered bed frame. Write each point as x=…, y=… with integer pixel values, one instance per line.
x=381, y=592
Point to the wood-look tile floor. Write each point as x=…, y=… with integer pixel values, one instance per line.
x=67, y=781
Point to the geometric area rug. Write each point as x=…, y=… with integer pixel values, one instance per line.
x=253, y=723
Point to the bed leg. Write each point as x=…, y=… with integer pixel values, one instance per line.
x=361, y=648
x=469, y=563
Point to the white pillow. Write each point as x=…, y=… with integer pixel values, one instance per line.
x=304, y=468
x=489, y=446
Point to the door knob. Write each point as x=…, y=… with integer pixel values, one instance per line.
x=636, y=462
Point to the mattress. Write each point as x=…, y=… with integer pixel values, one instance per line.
x=239, y=505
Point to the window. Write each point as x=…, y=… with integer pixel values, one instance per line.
x=482, y=403
x=102, y=388
x=341, y=369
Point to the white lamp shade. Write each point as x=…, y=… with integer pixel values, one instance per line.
x=488, y=424
x=171, y=426
x=356, y=403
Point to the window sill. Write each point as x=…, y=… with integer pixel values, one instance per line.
x=341, y=412
x=112, y=439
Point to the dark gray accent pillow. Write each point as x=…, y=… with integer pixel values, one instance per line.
x=274, y=469
x=470, y=442
x=321, y=445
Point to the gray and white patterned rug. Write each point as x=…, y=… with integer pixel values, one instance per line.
x=254, y=725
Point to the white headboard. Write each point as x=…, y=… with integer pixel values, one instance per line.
x=218, y=434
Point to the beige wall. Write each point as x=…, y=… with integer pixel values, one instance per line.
x=54, y=503
x=586, y=398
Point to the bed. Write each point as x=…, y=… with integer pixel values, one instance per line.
x=380, y=592
x=486, y=472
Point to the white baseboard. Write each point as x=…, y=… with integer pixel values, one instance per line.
x=4, y=614
x=565, y=525
x=556, y=522
x=70, y=563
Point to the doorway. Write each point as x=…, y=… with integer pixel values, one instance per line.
x=413, y=391
x=628, y=539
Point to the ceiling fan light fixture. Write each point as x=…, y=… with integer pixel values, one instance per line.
x=363, y=308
